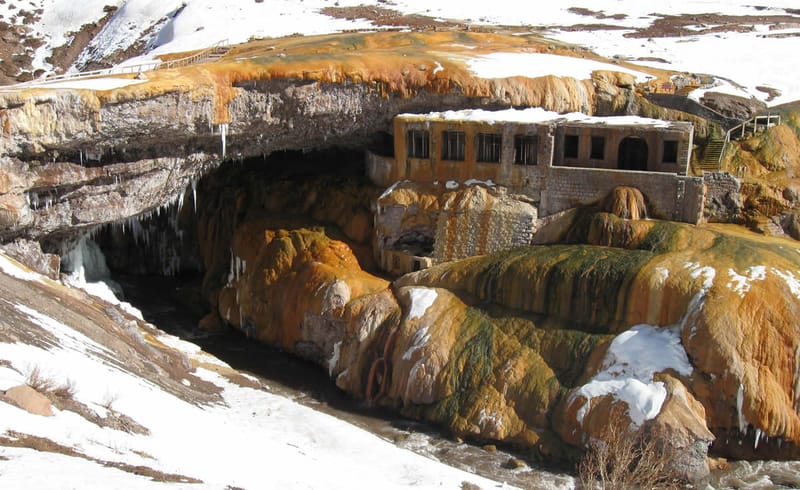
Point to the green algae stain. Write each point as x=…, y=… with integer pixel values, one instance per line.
x=469, y=368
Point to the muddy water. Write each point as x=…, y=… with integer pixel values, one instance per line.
x=173, y=306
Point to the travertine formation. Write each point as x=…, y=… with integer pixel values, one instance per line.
x=520, y=345
x=507, y=346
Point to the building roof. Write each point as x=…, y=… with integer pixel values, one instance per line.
x=538, y=115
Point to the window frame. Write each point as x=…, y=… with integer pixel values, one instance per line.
x=490, y=147
x=418, y=138
x=674, y=145
x=454, y=145
x=598, y=147
x=529, y=142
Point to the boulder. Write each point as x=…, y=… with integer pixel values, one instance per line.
x=29, y=400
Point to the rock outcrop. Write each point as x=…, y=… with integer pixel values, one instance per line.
x=72, y=157
x=526, y=346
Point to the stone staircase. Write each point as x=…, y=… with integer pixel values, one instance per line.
x=713, y=155
x=715, y=148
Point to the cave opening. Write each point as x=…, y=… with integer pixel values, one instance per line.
x=170, y=262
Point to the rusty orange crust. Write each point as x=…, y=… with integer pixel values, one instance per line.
x=396, y=63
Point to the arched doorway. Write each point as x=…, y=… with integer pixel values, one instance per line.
x=632, y=154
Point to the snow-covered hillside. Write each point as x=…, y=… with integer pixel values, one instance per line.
x=748, y=44
x=142, y=406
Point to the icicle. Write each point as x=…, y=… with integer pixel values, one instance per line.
x=194, y=194
x=739, y=407
x=223, y=132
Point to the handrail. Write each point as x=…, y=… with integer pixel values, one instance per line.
x=743, y=126
x=216, y=48
x=755, y=123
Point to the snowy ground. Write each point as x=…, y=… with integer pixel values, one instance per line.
x=761, y=56
x=247, y=438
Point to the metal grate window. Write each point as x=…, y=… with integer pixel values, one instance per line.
x=525, y=149
x=418, y=143
x=453, y=144
x=489, y=145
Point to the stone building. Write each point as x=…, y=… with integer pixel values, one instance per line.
x=555, y=161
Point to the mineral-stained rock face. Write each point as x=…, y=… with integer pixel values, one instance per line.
x=448, y=221
x=307, y=94
x=529, y=345
x=769, y=168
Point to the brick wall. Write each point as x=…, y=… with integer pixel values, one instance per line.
x=669, y=196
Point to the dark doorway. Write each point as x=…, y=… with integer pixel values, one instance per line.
x=632, y=154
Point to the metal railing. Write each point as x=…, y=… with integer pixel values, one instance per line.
x=764, y=122
x=740, y=130
x=214, y=51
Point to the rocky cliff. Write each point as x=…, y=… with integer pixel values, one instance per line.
x=160, y=130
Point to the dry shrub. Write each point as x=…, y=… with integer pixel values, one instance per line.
x=48, y=387
x=623, y=459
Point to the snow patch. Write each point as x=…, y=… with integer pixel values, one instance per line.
x=533, y=65
x=421, y=300
x=661, y=274
x=741, y=283
x=389, y=190
x=535, y=115
x=420, y=339
x=14, y=269
x=791, y=281
x=628, y=368
x=89, y=83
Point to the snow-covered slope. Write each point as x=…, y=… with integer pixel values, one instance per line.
x=749, y=44
x=147, y=405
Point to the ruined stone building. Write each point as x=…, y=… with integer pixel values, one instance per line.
x=548, y=162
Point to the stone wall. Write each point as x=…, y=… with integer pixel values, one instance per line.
x=723, y=201
x=475, y=221
x=668, y=196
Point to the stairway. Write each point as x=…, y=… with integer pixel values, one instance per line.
x=713, y=154
x=217, y=53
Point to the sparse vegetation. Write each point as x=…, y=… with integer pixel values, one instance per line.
x=47, y=386
x=109, y=400
x=623, y=459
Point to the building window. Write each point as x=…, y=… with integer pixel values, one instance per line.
x=670, y=152
x=525, y=149
x=598, y=148
x=489, y=145
x=571, y=146
x=418, y=143
x=453, y=144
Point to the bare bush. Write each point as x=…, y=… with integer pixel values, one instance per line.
x=109, y=400
x=621, y=458
x=39, y=382
x=47, y=386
